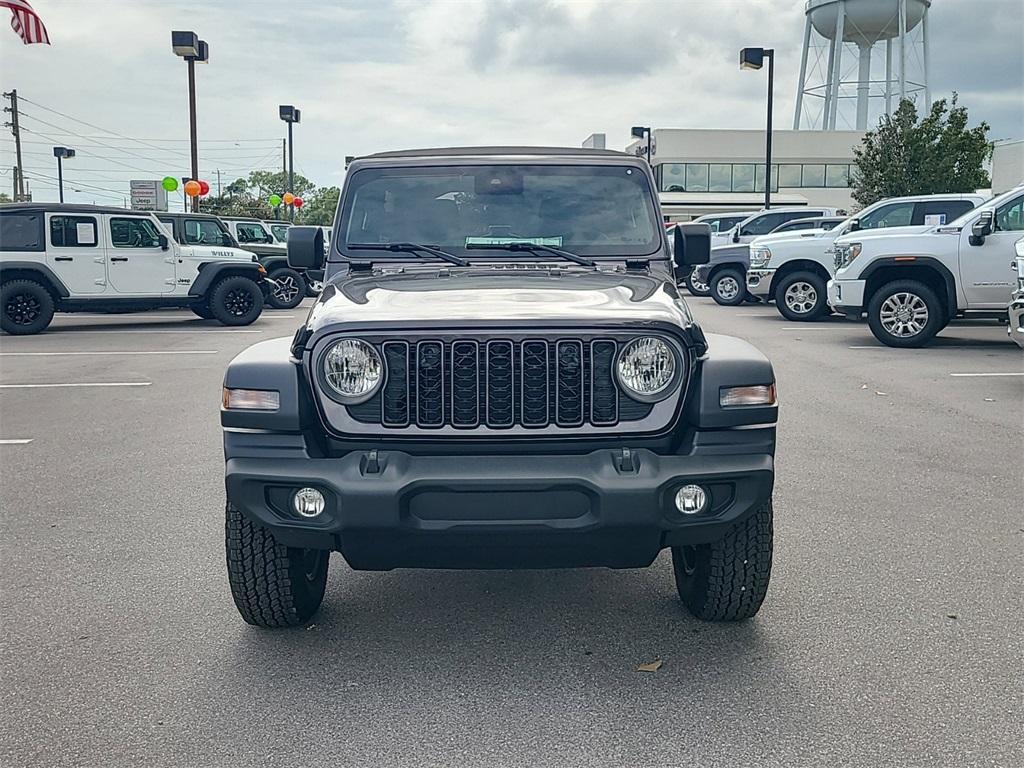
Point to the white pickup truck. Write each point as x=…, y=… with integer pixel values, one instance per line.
x=912, y=284
x=794, y=270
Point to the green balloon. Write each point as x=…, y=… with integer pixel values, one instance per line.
x=274, y=200
x=169, y=183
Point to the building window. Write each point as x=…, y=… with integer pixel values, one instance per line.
x=814, y=176
x=672, y=177
x=759, y=178
x=837, y=175
x=743, y=177
x=720, y=177
x=697, y=177
x=73, y=231
x=790, y=176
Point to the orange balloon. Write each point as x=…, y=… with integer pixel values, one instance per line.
x=192, y=188
x=288, y=198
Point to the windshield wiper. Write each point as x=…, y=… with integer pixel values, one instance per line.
x=533, y=248
x=410, y=248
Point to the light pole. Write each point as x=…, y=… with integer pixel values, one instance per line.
x=191, y=49
x=753, y=58
x=62, y=153
x=290, y=115
x=638, y=132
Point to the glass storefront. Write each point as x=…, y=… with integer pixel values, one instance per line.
x=748, y=177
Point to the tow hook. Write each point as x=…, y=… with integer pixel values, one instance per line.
x=626, y=461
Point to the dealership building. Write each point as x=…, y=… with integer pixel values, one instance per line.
x=709, y=171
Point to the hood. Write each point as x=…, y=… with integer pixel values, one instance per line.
x=875, y=234
x=801, y=234
x=496, y=296
x=218, y=252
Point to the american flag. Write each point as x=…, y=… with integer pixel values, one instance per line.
x=26, y=22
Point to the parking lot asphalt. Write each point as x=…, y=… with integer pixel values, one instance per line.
x=893, y=632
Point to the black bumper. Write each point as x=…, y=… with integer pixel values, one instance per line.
x=397, y=509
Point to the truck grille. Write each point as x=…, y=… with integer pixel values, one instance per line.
x=499, y=383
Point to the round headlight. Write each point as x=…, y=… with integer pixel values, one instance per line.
x=353, y=369
x=647, y=368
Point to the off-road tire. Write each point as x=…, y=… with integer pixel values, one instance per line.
x=272, y=585
x=201, y=309
x=236, y=300
x=292, y=283
x=727, y=579
x=26, y=307
x=720, y=283
x=696, y=291
x=903, y=292
x=817, y=288
x=313, y=287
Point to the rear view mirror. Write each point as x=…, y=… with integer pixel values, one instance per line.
x=982, y=228
x=306, y=248
x=691, y=246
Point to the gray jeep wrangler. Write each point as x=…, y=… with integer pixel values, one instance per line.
x=499, y=373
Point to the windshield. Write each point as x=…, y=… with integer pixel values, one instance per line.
x=603, y=210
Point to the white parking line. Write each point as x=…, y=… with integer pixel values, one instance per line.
x=157, y=330
x=1011, y=373
x=754, y=314
x=901, y=350
x=62, y=354
x=802, y=328
x=22, y=441
x=79, y=384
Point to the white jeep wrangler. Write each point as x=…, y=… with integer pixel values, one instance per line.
x=912, y=284
x=794, y=270
x=75, y=258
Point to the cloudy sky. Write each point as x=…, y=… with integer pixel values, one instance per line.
x=388, y=74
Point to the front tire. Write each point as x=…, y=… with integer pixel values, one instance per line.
x=696, y=287
x=727, y=580
x=729, y=287
x=272, y=585
x=801, y=297
x=26, y=307
x=236, y=300
x=290, y=290
x=905, y=313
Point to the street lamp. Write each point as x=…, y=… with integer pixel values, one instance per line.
x=290, y=115
x=638, y=132
x=62, y=153
x=191, y=49
x=753, y=58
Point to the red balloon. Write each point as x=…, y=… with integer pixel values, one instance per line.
x=204, y=188
x=297, y=202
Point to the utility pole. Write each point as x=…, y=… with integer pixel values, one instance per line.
x=14, y=197
x=218, y=182
x=19, y=193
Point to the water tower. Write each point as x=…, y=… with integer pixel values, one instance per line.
x=850, y=29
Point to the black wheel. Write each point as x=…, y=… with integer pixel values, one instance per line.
x=729, y=287
x=272, y=585
x=27, y=307
x=202, y=310
x=727, y=580
x=905, y=313
x=801, y=296
x=236, y=300
x=696, y=286
x=290, y=290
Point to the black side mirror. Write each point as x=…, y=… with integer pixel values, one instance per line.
x=306, y=248
x=162, y=239
x=982, y=228
x=854, y=226
x=691, y=245
x=736, y=234
x=226, y=240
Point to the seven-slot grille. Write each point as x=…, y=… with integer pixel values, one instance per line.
x=499, y=383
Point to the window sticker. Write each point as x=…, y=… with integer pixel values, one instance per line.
x=555, y=242
x=86, y=232
x=935, y=219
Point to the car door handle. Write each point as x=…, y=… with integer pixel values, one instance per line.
x=119, y=258
x=63, y=258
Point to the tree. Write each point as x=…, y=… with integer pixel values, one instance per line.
x=249, y=196
x=4, y=197
x=319, y=207
x=905, y=156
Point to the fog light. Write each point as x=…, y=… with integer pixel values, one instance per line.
x=308, y=502
x=691, y=499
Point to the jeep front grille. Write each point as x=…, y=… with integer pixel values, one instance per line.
x=499, y=383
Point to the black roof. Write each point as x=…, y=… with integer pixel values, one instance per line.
x=185, y=215
x=69, y=208
x=500, y=151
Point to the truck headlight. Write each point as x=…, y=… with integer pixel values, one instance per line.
x=647, y=368
x=353, y=369
x=848, y=253
x=760, y=256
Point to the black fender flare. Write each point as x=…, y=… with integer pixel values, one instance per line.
x=266, y=365
x=44, y=271
x=728, y=362
x=917, y=261
x=210, y=272
x=270, y=263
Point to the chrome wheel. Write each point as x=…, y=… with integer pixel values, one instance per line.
x=801, y=297
x=903, y=315
x=699, y=284
x=728, y=288
x=316, y=286
x=287, y=289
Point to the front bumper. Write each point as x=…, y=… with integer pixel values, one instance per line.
x=1016, y=316
x=759, y=281
x=394, y=509
x=847, y=296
